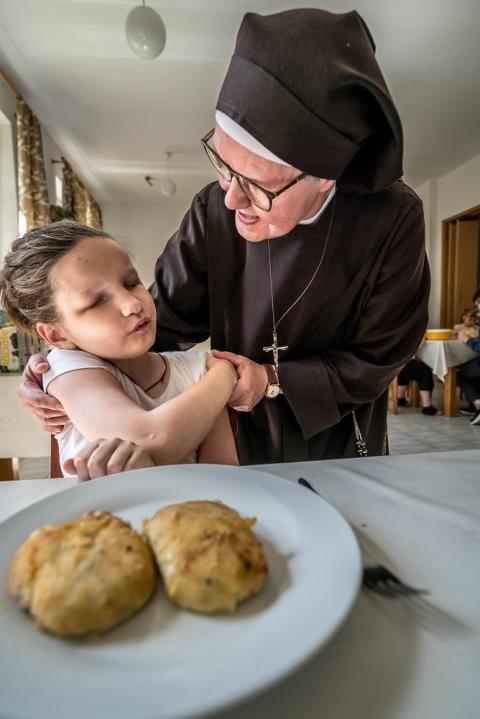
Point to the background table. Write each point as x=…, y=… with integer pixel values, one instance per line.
x=392, y=659
x=21, y=434
x=444, y=358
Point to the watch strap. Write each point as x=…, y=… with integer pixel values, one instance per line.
x=272, y=377
x=271, y=374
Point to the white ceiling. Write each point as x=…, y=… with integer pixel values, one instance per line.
x=114, y=115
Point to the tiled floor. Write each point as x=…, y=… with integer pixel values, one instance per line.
x=410, y=432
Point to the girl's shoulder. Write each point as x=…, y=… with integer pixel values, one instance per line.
x=62, y=361
x=189, y=366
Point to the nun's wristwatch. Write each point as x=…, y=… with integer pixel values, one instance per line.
x=273, y=388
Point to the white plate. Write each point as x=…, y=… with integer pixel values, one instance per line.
x=170, y=663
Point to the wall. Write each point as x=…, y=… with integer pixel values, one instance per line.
x=451, y=194
x=144, y=228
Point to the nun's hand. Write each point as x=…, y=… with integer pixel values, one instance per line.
x=252, y=381
x=30, y=393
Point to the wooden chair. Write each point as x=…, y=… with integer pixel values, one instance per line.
x=413, y=394
x=55, y=468
x=8, y=469
x=393, y=392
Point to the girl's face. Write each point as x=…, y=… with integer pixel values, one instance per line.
x=103, y=307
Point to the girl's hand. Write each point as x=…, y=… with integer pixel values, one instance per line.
x=462, y=336
x=49, y=410
x=252, y=380
x=228, y=366
x=212, y=361
x=107, y=456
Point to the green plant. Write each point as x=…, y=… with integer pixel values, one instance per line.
x=58, y=213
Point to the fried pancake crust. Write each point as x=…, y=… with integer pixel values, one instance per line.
x=84, y=576
x=207, y=554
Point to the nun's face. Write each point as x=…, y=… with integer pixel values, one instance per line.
x=299, y=202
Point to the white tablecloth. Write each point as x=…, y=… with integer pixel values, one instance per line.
x=442, y=354
x=402, y=659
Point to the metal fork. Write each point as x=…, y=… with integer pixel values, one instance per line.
x=378, y=578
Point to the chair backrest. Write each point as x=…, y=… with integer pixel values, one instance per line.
x=55, y=468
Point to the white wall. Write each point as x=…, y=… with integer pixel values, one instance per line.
x=451, y=194
x=145, y=229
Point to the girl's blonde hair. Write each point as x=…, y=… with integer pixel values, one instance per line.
x=26, y=291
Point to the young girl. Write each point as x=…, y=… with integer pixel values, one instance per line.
x=77, y=288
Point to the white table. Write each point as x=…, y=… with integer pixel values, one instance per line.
x=402, y=659
x=444, y=358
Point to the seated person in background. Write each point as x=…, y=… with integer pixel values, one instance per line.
x=476, y=300
x=77, y=288
x=419, y=372
x=469, y=324
x=469, y=378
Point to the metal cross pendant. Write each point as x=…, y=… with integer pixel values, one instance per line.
x=275, y=349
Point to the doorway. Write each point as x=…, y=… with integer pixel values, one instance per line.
x=460, y=264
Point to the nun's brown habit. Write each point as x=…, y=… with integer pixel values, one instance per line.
x=306, y=84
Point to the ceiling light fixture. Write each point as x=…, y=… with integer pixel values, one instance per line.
x=167, y=185
x=145, y=32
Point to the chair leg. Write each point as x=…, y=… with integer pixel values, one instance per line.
x=394, y=394
x=414, y=394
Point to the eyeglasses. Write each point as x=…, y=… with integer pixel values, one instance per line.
x=258, y=196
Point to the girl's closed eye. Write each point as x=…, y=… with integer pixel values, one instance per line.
x=132, y=281
x=97, y=302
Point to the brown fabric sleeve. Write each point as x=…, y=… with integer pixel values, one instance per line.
x=323, y=389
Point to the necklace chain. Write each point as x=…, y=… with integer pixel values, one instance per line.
x=275, y=323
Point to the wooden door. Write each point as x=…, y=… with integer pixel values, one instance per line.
x=460, y=260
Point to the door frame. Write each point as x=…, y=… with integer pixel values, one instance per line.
x=446, y=296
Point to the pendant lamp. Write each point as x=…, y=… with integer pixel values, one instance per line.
x=167, y=185
x=145, y=32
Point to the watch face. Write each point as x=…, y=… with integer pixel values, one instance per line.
x=273, y=390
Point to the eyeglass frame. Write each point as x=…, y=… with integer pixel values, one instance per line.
x=269, y=194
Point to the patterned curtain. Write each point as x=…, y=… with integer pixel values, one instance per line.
x=32, y=183
x=77, y=200
x=94, y=213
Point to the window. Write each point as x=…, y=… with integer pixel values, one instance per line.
x=9, y=220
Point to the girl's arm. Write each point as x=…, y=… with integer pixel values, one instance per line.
x=98, y=407
x=218, y=446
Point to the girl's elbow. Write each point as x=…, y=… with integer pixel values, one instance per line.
x=151, y=439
